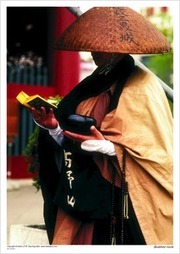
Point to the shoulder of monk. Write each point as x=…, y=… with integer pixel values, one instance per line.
x=141, y=79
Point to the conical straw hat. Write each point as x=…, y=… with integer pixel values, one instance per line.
x=115, y=30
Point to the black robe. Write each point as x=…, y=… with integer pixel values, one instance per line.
x=51, y=154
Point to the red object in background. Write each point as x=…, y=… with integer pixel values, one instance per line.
x=13, y=89
x=64, y=65
x=164, y=9
x=64, y=72
x=19, y=168
x=12, y=117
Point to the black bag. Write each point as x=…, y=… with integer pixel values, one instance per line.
x=83, y=192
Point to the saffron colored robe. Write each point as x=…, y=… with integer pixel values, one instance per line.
x=142, y=125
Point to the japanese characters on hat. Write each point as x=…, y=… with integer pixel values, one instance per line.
x=113, y=30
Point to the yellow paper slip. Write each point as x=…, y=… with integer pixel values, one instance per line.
x=35, y=101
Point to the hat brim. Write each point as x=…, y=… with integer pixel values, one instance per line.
x=113, y=30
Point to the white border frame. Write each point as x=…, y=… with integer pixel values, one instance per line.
x=87, y=249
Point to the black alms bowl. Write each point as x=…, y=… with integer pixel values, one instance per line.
x=77, y=123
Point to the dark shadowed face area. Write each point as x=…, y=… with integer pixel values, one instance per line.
x=101, y=58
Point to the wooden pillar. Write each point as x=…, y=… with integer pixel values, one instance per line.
x=64, y=66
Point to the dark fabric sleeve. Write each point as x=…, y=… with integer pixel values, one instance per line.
x=50, y=159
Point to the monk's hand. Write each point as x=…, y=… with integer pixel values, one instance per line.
x=95, y=135
x=95, y=142
x=47, y=120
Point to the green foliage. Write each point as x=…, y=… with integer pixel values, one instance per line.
x=162, y=65
x=30, y=151
x=54, y=100
x=31, y=156
x=159, y=64
x=163, y=21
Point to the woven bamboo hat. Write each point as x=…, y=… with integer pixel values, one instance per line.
x=114, y=30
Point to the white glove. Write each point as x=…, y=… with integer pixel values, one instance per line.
x=56, y=134
x=55, y=131
x=102, y=146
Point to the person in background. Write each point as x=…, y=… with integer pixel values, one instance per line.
x=129, y=142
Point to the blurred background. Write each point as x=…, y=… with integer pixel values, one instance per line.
x=36, y=68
